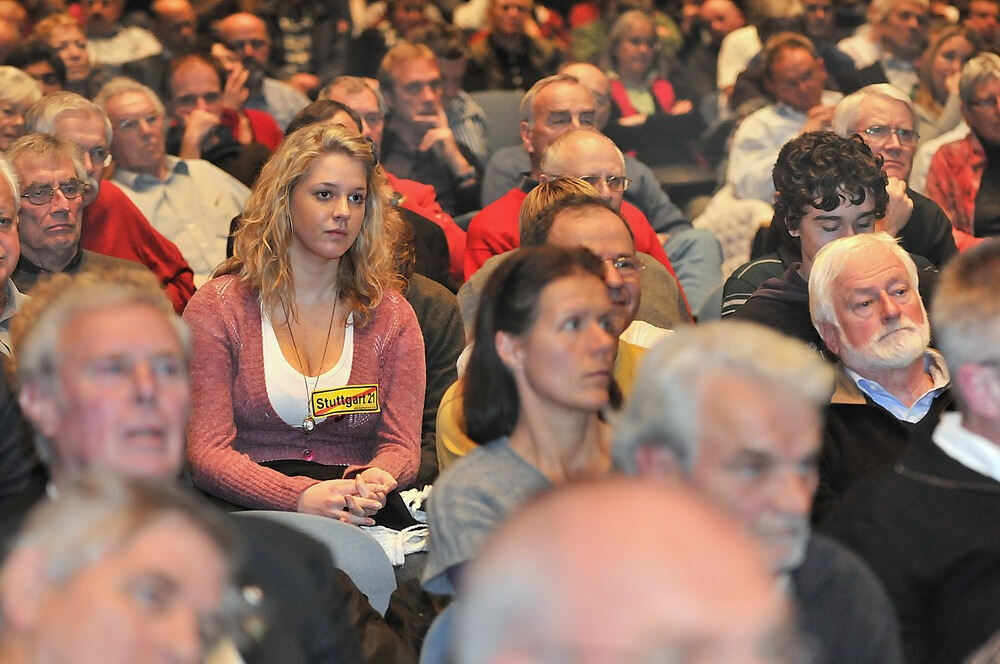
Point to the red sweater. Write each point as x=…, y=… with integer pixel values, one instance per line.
x=495, y=230
x=233, y=426
x=114, y=226
x=422, y=199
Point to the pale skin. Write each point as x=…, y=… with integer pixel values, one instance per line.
x=564, y=439
x=426, y=128
x=873, y=290
x=335, y=184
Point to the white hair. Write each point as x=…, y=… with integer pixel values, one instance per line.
x=851, y=107
x=829, y=265
x=43, y=113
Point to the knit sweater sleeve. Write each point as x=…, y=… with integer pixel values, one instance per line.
x=220, y=315
x=398, y=349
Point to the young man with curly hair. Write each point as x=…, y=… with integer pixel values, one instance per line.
x=827, y=187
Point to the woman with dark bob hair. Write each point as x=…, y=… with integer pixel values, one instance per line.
x=539, y=376
x=306, y=358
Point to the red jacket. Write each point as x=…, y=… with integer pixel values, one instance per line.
x=114, y=226
x=495, y=230
x=422, y=199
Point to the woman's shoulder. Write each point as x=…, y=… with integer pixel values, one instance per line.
x=227, y=292
x=483, y=465
x=392, y=311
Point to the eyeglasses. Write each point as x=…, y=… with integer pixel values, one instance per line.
x=131, y=124
x=99, y=155
x=192, y=99
x=241, y=44
x=414, y=88
x=614, y=182
x=626, y=265
x=639, y=41
x=40, y=194
x=882, y=133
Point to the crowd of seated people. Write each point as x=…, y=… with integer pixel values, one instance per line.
x=341, y=260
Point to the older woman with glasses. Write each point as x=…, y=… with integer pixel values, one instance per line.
x=647, y=114
x=18, y=91
x=308, y=365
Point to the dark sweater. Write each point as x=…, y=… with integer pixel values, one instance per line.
x=843, y=607
x=862, y=437
x=928, y=529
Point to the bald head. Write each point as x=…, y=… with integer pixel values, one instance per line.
x=589, y=155
x=669, y=576
x=246, y=35
x=175, y=24
x=594, y=79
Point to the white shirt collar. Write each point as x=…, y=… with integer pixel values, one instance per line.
x=969, y=449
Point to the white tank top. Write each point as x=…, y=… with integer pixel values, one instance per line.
x=285, y=387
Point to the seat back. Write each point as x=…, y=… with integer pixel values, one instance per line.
x=502, y=116
x=354, y=551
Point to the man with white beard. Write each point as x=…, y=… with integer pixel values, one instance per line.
x=864, y=303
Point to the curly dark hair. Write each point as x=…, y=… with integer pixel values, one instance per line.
x=820, y=169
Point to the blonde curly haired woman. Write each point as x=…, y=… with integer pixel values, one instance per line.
x=308, y=365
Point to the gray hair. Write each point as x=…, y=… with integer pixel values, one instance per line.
x=122, y=84
x=829, y=265
x=978, y=70
x=47, y=146
x=352, y=85
x=10, y=177
x=527, y=108
x=879, y=9
x=38, y=332
x=43, y=113
x=17, y=88
x=850, y=108
x=558, y=156
x=98, y=512
x=965, y=311
x=673, y=377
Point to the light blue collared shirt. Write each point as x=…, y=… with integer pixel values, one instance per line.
x=192, y=206
x=934, y=366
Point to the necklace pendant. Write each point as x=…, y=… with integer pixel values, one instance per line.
x=308, y=424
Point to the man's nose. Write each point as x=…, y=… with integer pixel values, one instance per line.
x=181, y=636
x=612, y=278
x=145, y=382
x=793, y=492
x=890, y=308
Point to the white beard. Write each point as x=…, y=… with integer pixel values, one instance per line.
x=894, y=347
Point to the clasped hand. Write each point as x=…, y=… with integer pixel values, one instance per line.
x=351, y=501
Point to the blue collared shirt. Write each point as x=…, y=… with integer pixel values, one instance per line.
x=934, y=366
x=192, y=206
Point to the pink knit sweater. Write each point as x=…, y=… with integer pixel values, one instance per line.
x=234, y=427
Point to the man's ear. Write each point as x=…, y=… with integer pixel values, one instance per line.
x=828, y=333
x=545, y=177
x=657, y=462
x=41, y=408
x=510, y=349
x=525, y=131
x=22, y=588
